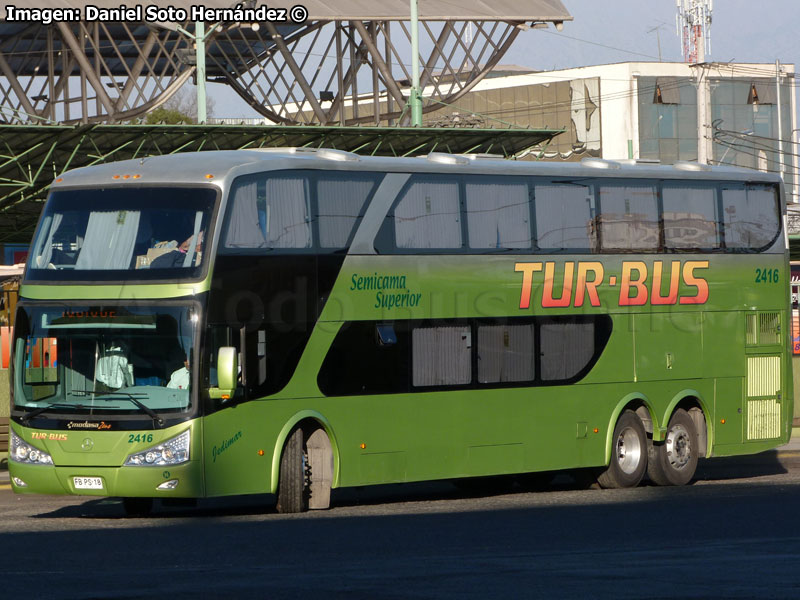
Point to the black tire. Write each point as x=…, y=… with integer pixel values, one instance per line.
x=137, y=507
x=293, y=490
x=628, y=453
x=674, y=461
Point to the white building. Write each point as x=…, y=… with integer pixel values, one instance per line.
x=646, y=111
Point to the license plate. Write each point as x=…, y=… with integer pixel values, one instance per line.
x=87, y=483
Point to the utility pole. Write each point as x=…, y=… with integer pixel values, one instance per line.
x=694, y=28
x=200, y=49
x=780, y=121
x=415, y=99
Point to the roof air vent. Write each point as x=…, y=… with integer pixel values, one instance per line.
x=448, y=159
x=684, y=165
x=599, y=163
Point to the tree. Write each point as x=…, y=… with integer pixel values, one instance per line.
x=181, y=108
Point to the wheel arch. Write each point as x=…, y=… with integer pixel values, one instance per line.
x=310, y=419
x=638, y=403
x=692, y=402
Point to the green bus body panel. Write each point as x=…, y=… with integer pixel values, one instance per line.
x=117, y=292
x=243, y=445
x=658, y=355
x=104, y=458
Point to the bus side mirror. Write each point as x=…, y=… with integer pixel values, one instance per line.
x=227, y=373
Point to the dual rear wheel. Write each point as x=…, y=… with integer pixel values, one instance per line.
x=671, y=462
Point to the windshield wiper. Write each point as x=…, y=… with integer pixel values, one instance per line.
x=150, y=412
x=126, y=396
x=37, y=411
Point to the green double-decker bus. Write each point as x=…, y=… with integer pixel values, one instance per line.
x=289, y=321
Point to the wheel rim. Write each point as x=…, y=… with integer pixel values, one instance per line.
x=629, y=450
x=679, y=447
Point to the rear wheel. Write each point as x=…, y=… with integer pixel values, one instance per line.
x=293, y=489
x=628, y=453
x=674, y=461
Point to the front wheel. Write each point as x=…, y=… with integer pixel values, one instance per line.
x=628, y=453
x=293, y=490
x=674, y=461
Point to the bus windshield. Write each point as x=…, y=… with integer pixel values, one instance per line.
x=107, y=234
x=102, y=360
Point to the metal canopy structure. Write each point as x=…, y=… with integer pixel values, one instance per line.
x=32, y=156
x=110, y=70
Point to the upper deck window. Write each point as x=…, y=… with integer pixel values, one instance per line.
x=295, y=210
x=477, y=214
x=498, y=213
x=690, y=216
x=629, y=217
x=564, y=213
x=750, y=215
x=108, y=234
x=428, y=214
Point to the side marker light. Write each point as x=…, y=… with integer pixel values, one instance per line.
x=261, y=453
x=363, y=446
x=596, y=430
x=722, y=421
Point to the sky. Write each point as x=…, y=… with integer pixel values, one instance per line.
x=611, y=31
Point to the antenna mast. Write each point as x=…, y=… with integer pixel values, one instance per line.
x=694, y=28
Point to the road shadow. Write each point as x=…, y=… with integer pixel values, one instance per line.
x=721, y=469
x=724, y=468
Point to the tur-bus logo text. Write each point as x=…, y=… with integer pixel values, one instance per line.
x=638, y=284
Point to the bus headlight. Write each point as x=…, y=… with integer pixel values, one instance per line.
x=22, y=452
x=171, y=452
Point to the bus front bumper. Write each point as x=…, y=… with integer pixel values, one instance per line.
x=176, y=481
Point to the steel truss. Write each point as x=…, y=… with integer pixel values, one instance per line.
x=31, y=156
x=87, y=72
x=291, y=74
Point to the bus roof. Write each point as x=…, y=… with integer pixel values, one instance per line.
x=219, y=167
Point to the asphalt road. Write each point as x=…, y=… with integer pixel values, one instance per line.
x=734, y=533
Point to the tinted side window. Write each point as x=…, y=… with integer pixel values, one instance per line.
x=750, y=215
x=498, y=213
x=342, y=199
x=564, y=213
x=690, y=217
x=506, y=353
x=428, y=214
x=567, y=347
x=629, y=217
x=295, y=210
x=367, y=358
x=370, y=357
x=269, y=212
x=441, y=355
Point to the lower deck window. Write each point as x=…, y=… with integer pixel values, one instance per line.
x=369, y=357
x=506, y=353
x=567, y=347
x=441, y=355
